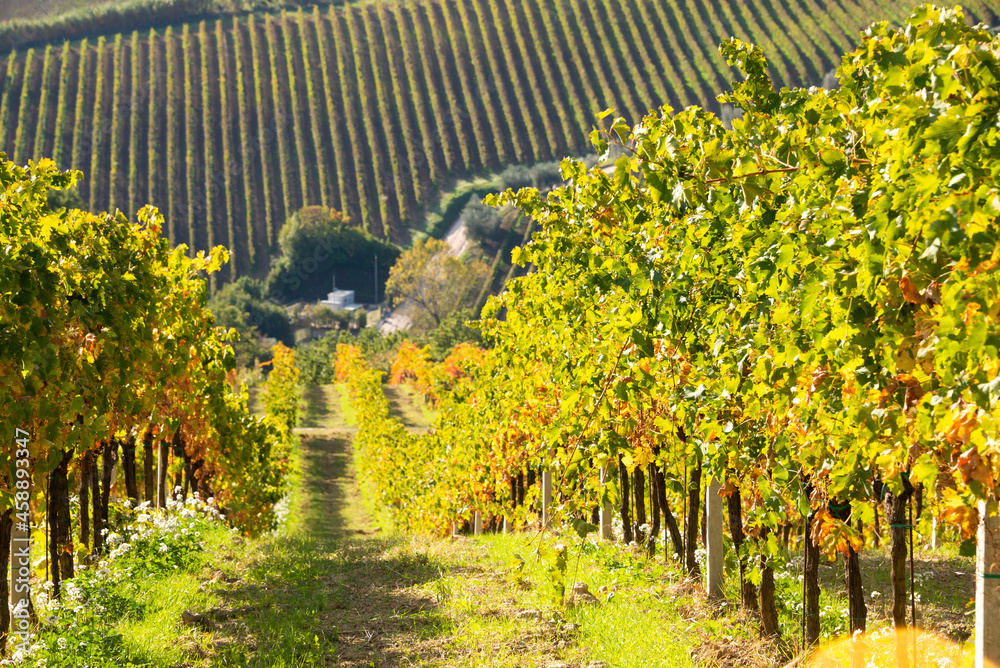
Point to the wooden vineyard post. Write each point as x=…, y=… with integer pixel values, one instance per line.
x=161, y=475
x=988, y=587
x=477, y=524
x=546, y=497
x=508, y=526
x=713, y=539
x=148, y=474
x=606, y=512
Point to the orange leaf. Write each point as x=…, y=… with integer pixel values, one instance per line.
x=970, y=313
x=910, y=291
x=974, y=467
x=960, y=430
x=956, y=511
x=833, y=535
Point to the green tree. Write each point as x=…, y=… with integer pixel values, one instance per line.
x=317, y=244
x=243, y=306
x=452, y=331
x=435, y=282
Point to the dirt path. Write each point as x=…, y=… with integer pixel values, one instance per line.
x=327, y=502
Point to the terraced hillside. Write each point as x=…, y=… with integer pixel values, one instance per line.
x=229, y=125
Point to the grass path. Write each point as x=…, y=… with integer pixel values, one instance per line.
x=408, y=408
x=333, y=589
x=329, y=589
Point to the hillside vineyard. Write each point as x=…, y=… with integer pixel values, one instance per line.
x=232, y=124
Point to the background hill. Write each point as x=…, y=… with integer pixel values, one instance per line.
x=231, y=124
x=45, y=8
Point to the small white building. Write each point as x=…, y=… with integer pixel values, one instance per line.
x=340, y=300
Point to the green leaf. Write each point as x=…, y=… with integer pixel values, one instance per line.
x=967, y=548
x=642, y=342
x=582, y=528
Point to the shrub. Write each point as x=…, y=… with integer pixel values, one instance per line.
x=546, y=175
x=452, y=332
x=482, y=222
x=517, y=177
x=249, y=297
x=318, y=243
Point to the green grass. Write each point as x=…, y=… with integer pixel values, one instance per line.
x=321, y=407
x=636, y=624
x=156, y=636
x=407, y=407
x=324, y=499
x=346, y=410
x=621, y=633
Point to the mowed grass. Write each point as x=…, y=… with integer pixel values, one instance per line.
x=321, y=407
x=157, y=636
x=324, y=500
x=408, y=407
x=325, y=407
x=141, y=615
x=505, y=605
